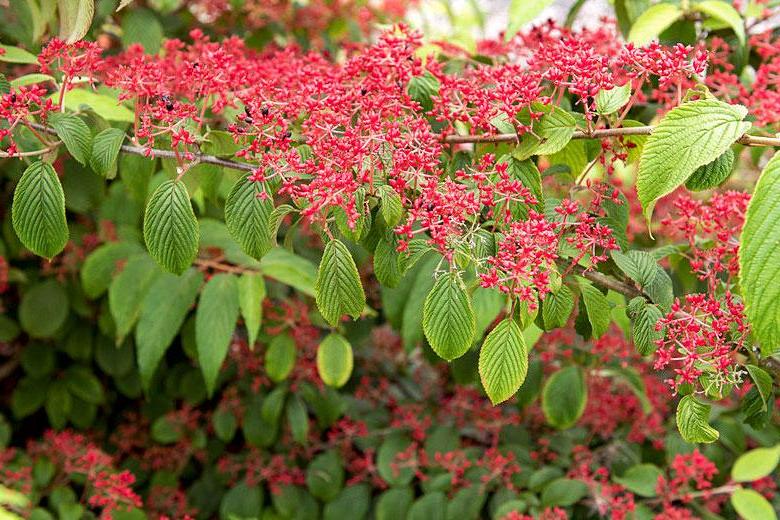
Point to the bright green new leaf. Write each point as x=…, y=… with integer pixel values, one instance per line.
x=334, y=360
x=31, y=79
x=38, y=211
x=251, y=293
x=105, y=150
x=726, y=13
x=751, y=505
x=653, y=22
x=597, y=307
x=338, y=288
x=215, y=322
x=564, y=397
x=11, y=54
x=107, y=107
x=756, y=464
x=448, y=321
x=170, y=227
x=759, y=259
x=688, y=137
x=247, y=214
x=75, y=18
x=503, y=361
x=612, y=100
x=163, y=310
x=74, y=133
x=693, y=421
x=521, y=12
x=280, y=357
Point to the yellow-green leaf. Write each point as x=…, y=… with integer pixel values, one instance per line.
x=334, y=360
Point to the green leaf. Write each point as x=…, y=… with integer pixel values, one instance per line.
x=163, y=310
x=557, y=307
x=325, y=475
x=290, y=269
x=644, y=333
x=521, y=12
x=107, y=107
x=83, y=383
x=11, y=54
x=334, y=360
x=688, y=137
x=31, y=79
x=611, y=100
x=597, y=307
x=751, y=505
x=394, y=503
x=297, y=418
x=58, y=404
x=170, y=227
x=643, y=268
x=392, y=208
x=556, y=128
x=724, y=12
x=713, y=174
x=75, y=18
x=763, y=382
x=105, y=150
x=422, y=88
x=641, y=479
x=692, y=421
x=251, y=293
x=756, y=464
x=127, y=290
x=28, y=396
x=448, y=322
x=338, y=288
x=247, y=212
x=387, y=459
x=759, y=259
x=215, y=322
x=563, y=492
x=389, y=264
x=653, y=22
x=219, y=143
x=44, y=309
x=242, y=501
x=101, y=265
x=74, y=133
x=503, y=361
x=564, y=397
x=280, y=358
x=38, y=211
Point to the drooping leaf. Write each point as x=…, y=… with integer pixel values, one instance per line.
x=391, y=208
x=107, y=107
x=215, y=322
x=105, y=150
x=127, y=290
x=597, y=307
x=448, y=321
x=75, y=18
x=38, y=211
x=74, y=133
x=641, y=479
x=334, y=360
x=325, y=475
x=170, y=227
x=724, y=12
x=503, y=361
x=280, y=357
x=251, y=293
x=564, y=397
x=688, y=137
x=693, y=421
x=338, y=288
x=389, y=264
x=759, y=259
x=643, y=329
x=163, y=310
x=763, y=382
x=713, y=174
x=247, y=214
x=557, y=307
x=653, y=22
x=11, y=54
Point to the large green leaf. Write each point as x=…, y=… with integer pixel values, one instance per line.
x=759, y=259
x=564, y=397
x=101, y=265
x=163, y=310
x=127, y=290
x=75, y=18
x=38, y=211
x=597, y=307
x=751, y=505
x=692, y=421
x=215, y=322
x=556, y=308
x=612, y=100
x=105, y=106
x=170, y=227
x=251, y=293
x=105, y=150
x=688, y=137
x=712, y=174
x=10, y=54
x=448, y=322
x=653, y=22
x=247, y=212
x=280, y=357
x=756, y=464
x=74, y=133
x=724, y=12
x=338, y=288
x=503, y=361
x=334, y=360
x=44, y=309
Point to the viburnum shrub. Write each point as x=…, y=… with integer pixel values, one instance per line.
x=287, y=260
